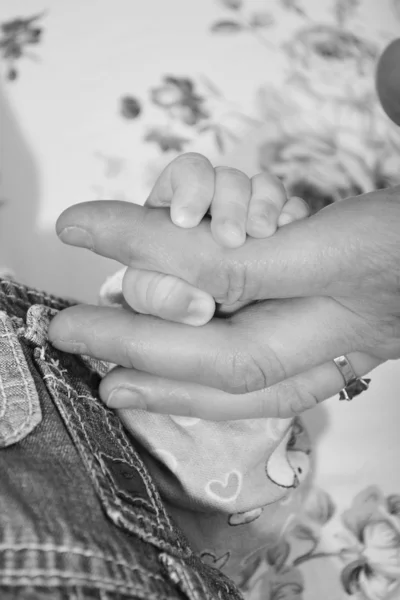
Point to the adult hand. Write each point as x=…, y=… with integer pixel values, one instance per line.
x=360, y=266
x=333, y=285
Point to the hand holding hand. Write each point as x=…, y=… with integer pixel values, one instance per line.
x=332, y=285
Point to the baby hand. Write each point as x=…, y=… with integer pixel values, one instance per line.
x=238, y=206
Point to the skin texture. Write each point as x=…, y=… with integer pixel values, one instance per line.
x=235, y=205
x=325, y=286
x=333, y=287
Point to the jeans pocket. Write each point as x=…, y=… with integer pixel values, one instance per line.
x=125, y=489
x=20, y=410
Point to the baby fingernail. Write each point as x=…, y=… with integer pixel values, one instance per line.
x=184, y=218
x=200, y=311
x=70, y=346
x=233, y=232
x=77, y=236
x=126, y=398
x=261, y=225
x=285, y=219
x=267, y=226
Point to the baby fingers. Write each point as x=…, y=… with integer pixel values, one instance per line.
x=167, y=297
x=294, y=210
x=187, y=186
x=268, y=197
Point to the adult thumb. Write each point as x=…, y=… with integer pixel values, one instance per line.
x=344, y=250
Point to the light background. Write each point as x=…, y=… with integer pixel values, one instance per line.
x=65, y=108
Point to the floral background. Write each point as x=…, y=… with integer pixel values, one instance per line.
x=366, y=546
x=96, y=103
x=325, y=133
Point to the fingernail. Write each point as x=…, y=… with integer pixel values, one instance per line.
x=77, y=236
x=233, y=232
x=200, y=311
x=285, y=219
x=266, y=226
x=72, y=347
x=123, y=397
x=184, y=218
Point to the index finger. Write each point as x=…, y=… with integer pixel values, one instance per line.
x=143, y=238
x=187, y=186
x=312, y=257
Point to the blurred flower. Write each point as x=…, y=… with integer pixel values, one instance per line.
x=286, y=584
x=232, y=4
x=333, y=63
x=326, y=150
x=319, y=506
x=166, y=139
x=331, y=43
x=130, y=107
x=261, y=19
x=267, y=575
x=177, y=96
x=344, y=9
x=280, y=585
x=294, y=6
x=375, y=523
x=15, y=35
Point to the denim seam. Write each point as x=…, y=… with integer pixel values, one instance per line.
x=53, y=548
x=108, y=583
x=183, y=579
x=103, y=491
x=121, y=491
x=113, y=433
x=26, y=303
x=33, y=573
x=53, y=301
x=23, y=425
x=24, y=373
x=128, y=455
x=94, y=453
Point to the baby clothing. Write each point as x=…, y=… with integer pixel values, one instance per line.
x=234, y=487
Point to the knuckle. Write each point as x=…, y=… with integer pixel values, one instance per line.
x=262, y=209
x=193, y=160
x=384, y=338
x=245, y=374
x=234, y=280
x=232, y=172
x=227, y=281
x=160, y=291
x=133, y=242
x=194, y=172
x=255, y=376
x=271, y=181
x=297, y=399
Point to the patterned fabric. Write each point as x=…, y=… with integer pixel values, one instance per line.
x=232, y=486
x=80, y=515
x=242, y=491
x=283, y=85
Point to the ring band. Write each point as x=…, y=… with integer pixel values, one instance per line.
x=353, y=385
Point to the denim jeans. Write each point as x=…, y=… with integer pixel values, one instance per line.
x=80, y=516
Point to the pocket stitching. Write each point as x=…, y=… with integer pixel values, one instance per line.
x=103, y=492
x=33, y=417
